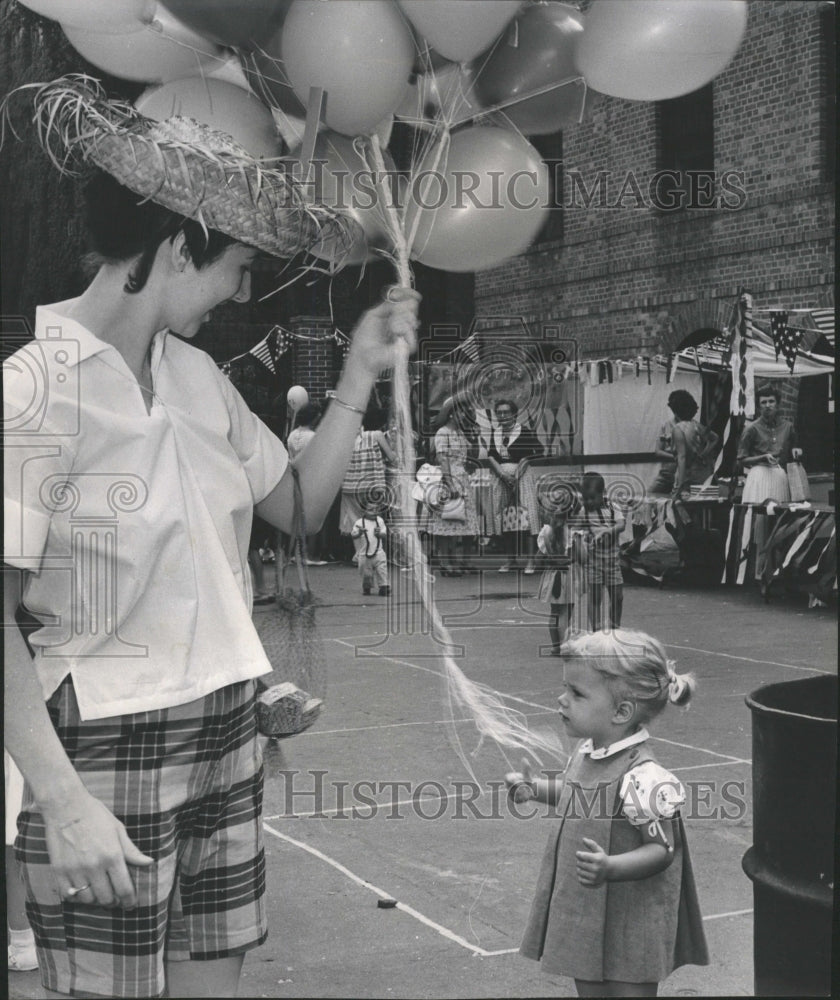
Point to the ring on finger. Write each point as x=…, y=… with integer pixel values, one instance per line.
x=72, y=893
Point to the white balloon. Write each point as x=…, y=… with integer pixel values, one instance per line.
x=460, y=29
x=222, y=106
x=653, y=50
x=359, y=51
x=158, y=52
x=97, y=15
x=297, y=397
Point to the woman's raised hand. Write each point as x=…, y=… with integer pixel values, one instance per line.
x=375, y=338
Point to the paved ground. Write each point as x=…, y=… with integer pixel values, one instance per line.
x=464, y=878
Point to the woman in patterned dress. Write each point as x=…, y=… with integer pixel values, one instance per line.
x=451, y=451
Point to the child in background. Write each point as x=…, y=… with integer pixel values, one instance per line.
x=616, y=906
x=598, y=527
x=370, y=529
x=557, y=586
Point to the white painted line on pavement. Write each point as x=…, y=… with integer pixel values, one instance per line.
x=437, y=673
x=719, y=763
x=372, y=808
x=750, y=659
x=393, y=659
x=693, y=649
x=732, y=913
x=548, y=709
x=439, y=928
x=713, y=753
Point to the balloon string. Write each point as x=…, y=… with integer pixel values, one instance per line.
x=526, y=97
x=491, y=716
x=159, y=29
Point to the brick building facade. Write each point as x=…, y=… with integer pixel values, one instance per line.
x=621, y=278
x=624, y=268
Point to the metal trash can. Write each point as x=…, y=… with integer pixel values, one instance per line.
x=791, y=862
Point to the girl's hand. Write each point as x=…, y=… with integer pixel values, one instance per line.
x=520, y=784
x=373, y=345
x=593, y=864
x=796, y=454
x=89, y=847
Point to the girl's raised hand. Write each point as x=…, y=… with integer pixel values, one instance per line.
x=592, y=864
x=520, y=783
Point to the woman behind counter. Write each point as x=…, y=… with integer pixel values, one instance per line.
x=766, y=447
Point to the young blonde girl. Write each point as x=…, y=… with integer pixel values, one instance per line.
x=616, y=906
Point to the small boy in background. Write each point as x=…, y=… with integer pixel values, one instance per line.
x=373, y=560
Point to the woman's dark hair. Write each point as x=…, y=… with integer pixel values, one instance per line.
x=122, y=226
x=596, y=480
x=683, y=404
x=766, y=389
x=506, y=402
x=374, y=418
x=309, y=415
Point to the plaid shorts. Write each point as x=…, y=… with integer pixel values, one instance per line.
x=187, y=784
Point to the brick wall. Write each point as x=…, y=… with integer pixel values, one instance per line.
x=316, y=361
x=619, y=274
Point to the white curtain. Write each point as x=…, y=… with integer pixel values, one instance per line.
x=626, y=415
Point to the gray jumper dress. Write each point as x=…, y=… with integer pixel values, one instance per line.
x=633, y=932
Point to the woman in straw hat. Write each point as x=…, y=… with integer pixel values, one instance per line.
x=132, y=468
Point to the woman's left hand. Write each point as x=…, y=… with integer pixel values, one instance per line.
x=796, y=454
x=373, y=346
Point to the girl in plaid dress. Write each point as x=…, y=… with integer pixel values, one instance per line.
x=595, y=530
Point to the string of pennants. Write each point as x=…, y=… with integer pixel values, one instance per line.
x=609, y=370
x=278, y=341
x=787, y=341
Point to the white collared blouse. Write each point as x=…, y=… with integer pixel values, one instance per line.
x=133, y=525
x=648, y=792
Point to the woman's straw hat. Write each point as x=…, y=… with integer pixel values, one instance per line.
x=184, y=165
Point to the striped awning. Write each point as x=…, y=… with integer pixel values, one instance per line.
x=823, y=320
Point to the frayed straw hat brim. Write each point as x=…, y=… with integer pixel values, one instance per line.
x=184, y=166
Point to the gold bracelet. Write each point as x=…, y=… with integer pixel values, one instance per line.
x=347, y=406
